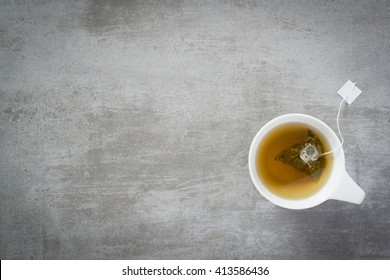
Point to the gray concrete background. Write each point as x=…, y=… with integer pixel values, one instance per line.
x=125, y=127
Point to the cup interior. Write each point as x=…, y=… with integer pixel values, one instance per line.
x=336, y=171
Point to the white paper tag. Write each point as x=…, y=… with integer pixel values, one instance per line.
x=349, y=92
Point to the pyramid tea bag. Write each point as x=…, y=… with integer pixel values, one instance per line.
x=305, y=156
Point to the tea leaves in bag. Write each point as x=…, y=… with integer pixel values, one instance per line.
x=305, y=156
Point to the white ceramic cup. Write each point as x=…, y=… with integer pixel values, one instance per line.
x=339, y=185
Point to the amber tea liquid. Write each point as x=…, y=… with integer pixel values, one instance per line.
x=280, y=178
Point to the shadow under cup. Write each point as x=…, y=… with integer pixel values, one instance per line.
x=300, y=194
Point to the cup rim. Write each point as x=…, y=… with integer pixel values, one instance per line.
x=335, y=175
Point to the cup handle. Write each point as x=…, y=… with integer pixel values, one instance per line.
x=348, y=190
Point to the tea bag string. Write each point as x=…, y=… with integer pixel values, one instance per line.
x=338, y=127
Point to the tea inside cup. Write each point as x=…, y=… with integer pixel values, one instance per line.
x=279, y=182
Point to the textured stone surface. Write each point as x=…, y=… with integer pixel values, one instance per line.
x=125, y=126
